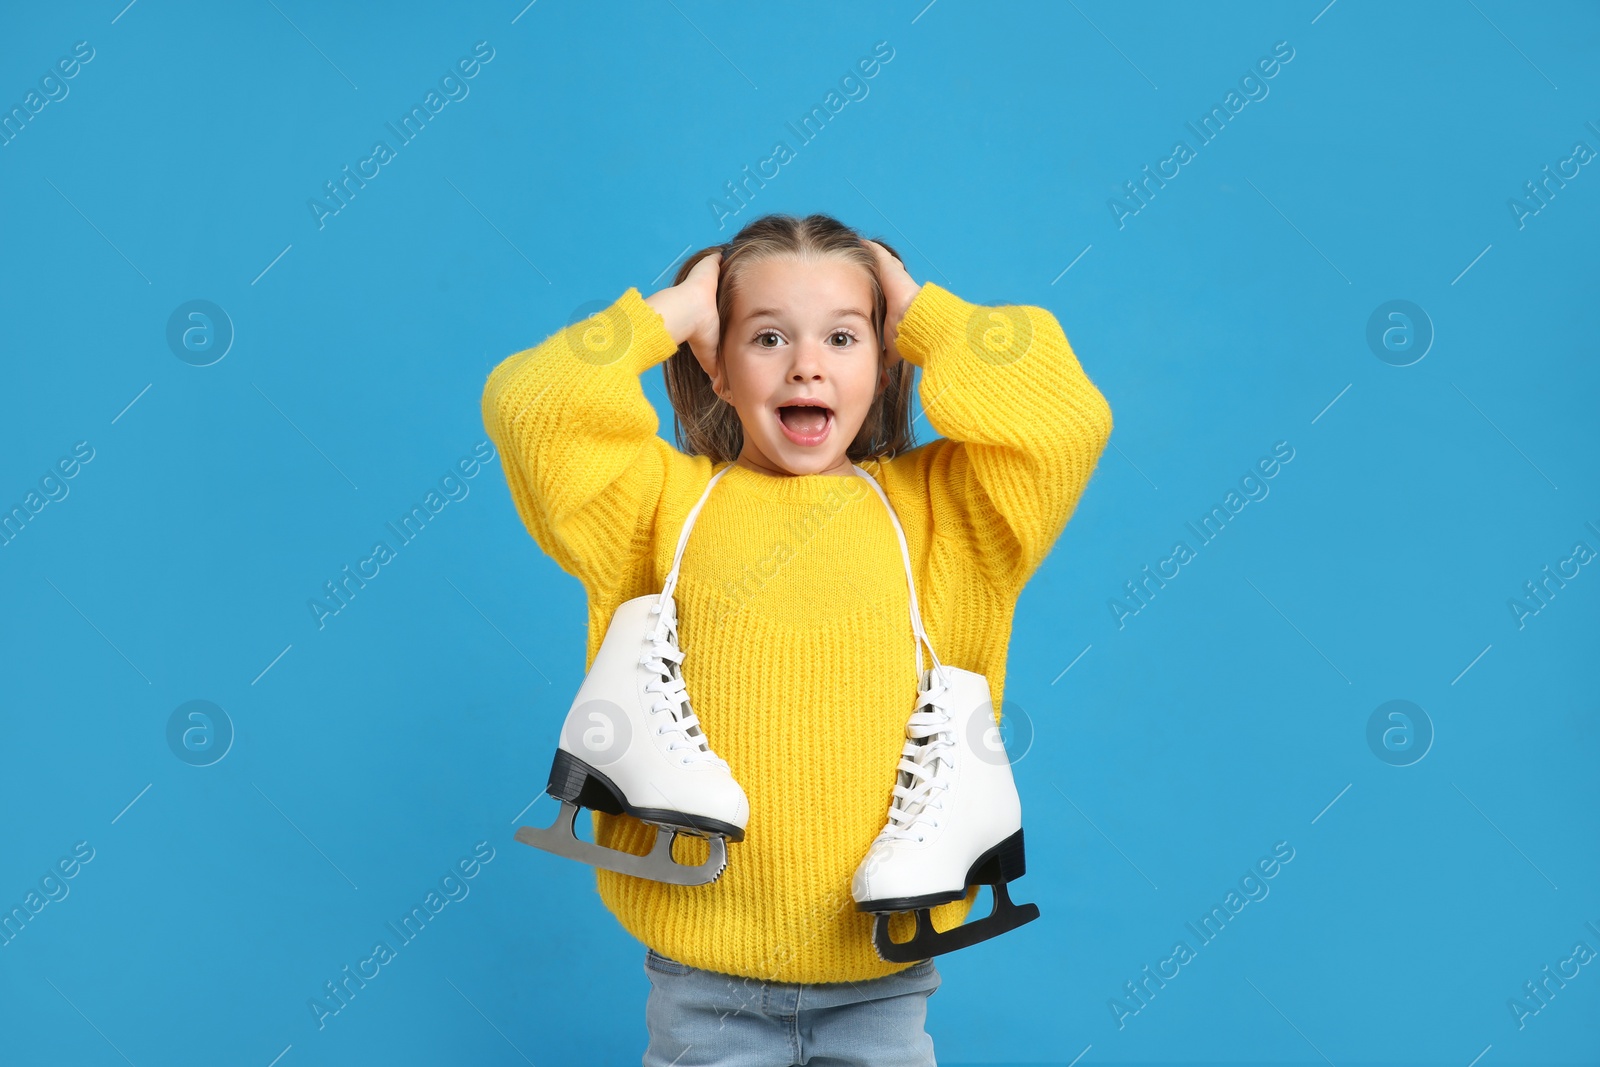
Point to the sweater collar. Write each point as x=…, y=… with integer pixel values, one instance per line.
x=800, y=488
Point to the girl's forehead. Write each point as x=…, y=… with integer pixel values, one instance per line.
x=789, y=285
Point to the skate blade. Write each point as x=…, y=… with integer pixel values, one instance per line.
x=561, y=839
x=927, y=942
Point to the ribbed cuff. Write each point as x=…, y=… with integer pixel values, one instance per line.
x=935, y=312
x=650, y=342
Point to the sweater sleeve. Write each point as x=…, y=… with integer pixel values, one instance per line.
x=578, y=438
x=1023, y=428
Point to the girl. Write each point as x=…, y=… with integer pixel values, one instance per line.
x=792, y=594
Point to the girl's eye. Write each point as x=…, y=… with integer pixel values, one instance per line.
x=846, y=334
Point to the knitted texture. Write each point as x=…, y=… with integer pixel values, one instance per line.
x=793, y=610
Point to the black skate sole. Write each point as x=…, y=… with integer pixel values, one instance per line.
x=575, y=781
x=995, y=866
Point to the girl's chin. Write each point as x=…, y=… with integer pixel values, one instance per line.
x=805, y=461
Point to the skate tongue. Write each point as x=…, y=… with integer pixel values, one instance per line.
x=936, y=765
x=934, y=749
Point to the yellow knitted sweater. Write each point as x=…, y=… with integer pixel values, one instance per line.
x=792, y=603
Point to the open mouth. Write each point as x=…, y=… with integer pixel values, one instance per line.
x=805, y=424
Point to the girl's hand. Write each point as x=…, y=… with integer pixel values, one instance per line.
x=898, y=292
x=690, y=312
x=705, y=330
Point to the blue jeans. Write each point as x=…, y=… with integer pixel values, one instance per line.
x=700, y=1018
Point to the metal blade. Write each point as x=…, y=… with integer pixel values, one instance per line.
x=927, y=941
x=561, y=839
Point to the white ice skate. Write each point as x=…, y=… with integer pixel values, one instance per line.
x=955, y=820
x=631, y=743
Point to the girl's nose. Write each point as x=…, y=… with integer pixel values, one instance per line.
x=807, y=361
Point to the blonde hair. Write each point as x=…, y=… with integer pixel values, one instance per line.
x=703, y=423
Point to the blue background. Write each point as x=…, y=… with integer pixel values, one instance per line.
x=1229, y=313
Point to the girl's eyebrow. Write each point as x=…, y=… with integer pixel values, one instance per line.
x=841, y=313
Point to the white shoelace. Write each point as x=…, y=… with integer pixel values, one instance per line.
x=925, y=761
x=672, y=696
